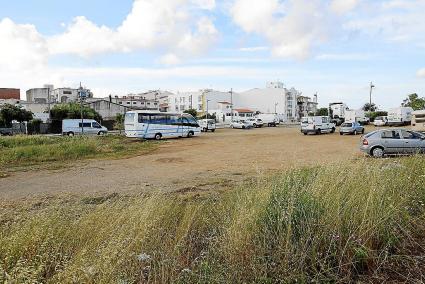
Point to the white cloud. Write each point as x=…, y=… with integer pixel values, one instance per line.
x=421, y=73
x=170, y=59
x=22, y=47
x=293, y=27
x=175, y=26
x=343, y=6
x=254, y=48
x=345, y=56
x=396, y=21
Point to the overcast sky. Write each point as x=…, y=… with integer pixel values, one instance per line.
x=333, y=47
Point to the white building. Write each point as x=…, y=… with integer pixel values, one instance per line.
x=200, y=100
x=41, y=95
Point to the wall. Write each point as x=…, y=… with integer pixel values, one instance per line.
x=7, y=93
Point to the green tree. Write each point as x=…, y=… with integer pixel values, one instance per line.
x=370, y=107
x=73, y=111
x=324, y=111
x=119, y=121
x=414, y=101
x=10, y=112
x=192, y=112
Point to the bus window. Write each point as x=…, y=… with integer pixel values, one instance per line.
x=129, y=118
x=173, y=119
x=143, y=118
x=158, y=119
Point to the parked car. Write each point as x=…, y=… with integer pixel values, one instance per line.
x=207, y=125
x=73, y=127
x=240, y=124
x=351, y=128
x=317, y=125
x=392, y=141
x=6, y=132
x=256, y=122
x=381, y=121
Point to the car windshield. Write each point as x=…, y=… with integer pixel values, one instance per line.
x=347, y=125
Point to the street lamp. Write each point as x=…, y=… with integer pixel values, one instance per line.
x=370, y=95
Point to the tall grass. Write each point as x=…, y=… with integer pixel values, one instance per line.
x=34, y=150
x=326, y=224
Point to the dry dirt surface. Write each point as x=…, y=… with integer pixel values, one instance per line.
x=222, y=158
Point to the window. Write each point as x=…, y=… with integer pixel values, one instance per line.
x=410, y=135
x=96, y=125
x=158, y=119
x=390, y=134
x=143, y=118
x=324, y=120
x=173, y=119
x=129, y=118
x=128, y=103
x=67, y=92
x=85, y=125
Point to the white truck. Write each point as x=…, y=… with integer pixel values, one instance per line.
x=73, y=127
x=400, y=116
x=359, y=116
x=317, y=125
x=418, y=120
x=269, y=119
x=337, y=112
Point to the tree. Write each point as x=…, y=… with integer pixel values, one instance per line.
x=370, y=107
x=73, y=111
x=414, y=101
x=119, y=122
x=192, y=112
x=375, y=114
x=324, y=111
x=10, y=113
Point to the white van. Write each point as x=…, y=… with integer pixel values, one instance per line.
x=269, y=119
x=356, y=116
x=157, y=125
x=317, y=125
x=207, y=125
x=400, y=116
x=73, y=127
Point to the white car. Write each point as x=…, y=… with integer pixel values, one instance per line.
x=380, y=121
x=240, y=124
x=256, y=122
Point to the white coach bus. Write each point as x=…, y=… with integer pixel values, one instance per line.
x=157, y=125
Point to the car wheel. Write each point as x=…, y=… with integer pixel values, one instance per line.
x=377, y=152
x=101, y=133
x=212, y=130
x=190, y=134
x=333, y=130
x=243, y=126
x=341, y=133
x=158, y=136
x=305, y=133
x=204, y=130
x=319, y=131
x=70, y=134
x=363, y=131
x=254, y=125
x=231, y=126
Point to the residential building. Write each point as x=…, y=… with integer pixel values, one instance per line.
x=10, y=94
x=107, y=109
x=68, y=95
x=200, y=100
x=41, y=95
x=306, y=106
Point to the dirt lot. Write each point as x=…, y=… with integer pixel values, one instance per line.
x=214, y=159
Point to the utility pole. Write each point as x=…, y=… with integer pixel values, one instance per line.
x=231, y=103
x=80, y=93
x=48, y=98
x=370, y=99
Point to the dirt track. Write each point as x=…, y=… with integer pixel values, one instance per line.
x=227, y=156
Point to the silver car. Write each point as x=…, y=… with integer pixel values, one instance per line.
x=392, y=142
x=351, y=128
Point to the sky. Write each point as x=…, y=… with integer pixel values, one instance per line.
x=331, y=47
